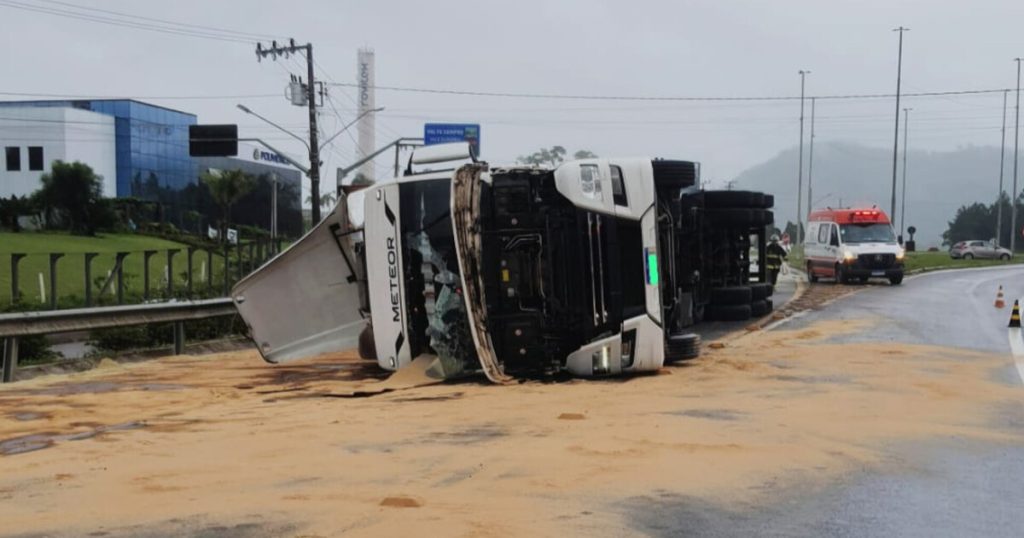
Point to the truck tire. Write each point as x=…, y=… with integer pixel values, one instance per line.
x=761, y=290
x=726, y=199
x=730, y=217
x=734, y=312
x=762, y=217
x=682, y=347
x=732, y=295
x=760, y=308
x=769, y=201
x=674, y=174
x=367, y=347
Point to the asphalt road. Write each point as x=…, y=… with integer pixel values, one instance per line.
x=943, y=487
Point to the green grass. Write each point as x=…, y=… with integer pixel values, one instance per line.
x=71, y=267
x=925, y=261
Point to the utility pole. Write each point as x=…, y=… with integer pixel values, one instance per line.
x=274, y=51
x=999, y=198
x=1016, y=147
x=800, y=167
x=896, y=134
x=273, y=206
x=810, y=167
x=903, y=197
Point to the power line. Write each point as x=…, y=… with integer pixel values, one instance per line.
x=137, y=97
x=124, y=23
x=657, y=98
x=162, y=21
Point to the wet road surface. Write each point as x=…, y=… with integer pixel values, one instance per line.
x=943, y=487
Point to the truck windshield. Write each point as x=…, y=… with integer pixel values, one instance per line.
x=867, y=233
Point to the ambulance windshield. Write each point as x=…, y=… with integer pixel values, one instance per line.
x=867, y=233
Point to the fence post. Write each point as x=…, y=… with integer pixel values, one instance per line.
x=119, y=264
x=227, y=268
x=238, y=253
x=15, y=260
x=179, y=337
x=277, y=246
x=170, y=270
x=88, y=277
x=10, y=359
x=252, y=256
x=188, y=254
x=146, y=255
x=54, y=256
x=209, y=269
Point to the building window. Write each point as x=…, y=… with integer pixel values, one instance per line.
x=13, y=158
x=35, y=158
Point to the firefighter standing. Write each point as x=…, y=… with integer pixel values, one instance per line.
x=774, y=255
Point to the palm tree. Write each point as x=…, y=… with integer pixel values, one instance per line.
x=327, y=199
x=226, y=188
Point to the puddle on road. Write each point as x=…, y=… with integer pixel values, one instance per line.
x=39, y=441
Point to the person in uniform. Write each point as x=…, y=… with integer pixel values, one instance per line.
x=774, y=254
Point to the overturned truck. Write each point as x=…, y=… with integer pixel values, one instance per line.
x=595, y=267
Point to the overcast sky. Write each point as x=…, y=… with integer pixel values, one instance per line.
x=628, y=48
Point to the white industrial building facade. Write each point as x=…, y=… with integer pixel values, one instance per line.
x=34, y=137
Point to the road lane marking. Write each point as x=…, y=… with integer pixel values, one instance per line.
x=1017, y=348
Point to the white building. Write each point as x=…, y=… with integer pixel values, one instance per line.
x=34, y=137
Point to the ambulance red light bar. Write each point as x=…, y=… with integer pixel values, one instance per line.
x=866, y=215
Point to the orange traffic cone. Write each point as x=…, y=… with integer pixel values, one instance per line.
x=1000, y=303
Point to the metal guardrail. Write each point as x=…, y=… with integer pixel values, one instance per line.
x=14, y=326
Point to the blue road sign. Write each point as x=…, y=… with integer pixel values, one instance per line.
x=443, y=133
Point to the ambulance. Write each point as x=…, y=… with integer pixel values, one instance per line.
x=852, y=245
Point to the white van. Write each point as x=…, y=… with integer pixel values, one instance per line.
x=852, y=244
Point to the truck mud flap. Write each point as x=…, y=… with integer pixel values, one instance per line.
x=465, y=207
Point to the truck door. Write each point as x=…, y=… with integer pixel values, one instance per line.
x=310, y=298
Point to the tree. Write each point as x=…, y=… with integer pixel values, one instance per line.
x=584, y=154
x=72, y=195
x=12, y=208
x=226, y=187
x=553, y=156
x=327, y=199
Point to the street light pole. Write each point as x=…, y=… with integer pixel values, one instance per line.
x=349, y=124
x=903, y=197
x=1016, y=147
x=896, y=133
x=800, y=166
x=999, y=198
x=810, y=167
x=273, y=205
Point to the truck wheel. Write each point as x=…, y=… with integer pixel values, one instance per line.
x=810, y=273
x=733, y=295
x=769, y=201
x=681, y=347
x=761, y=290
x=726, y=199
x=730, y=217
x=763, y=217
x=840, y=273
x=733, y=312
x=674, y=174
x=896, y=280
x=367, y=347
x=759, y=308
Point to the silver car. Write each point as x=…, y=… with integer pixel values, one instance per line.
x=969, y=250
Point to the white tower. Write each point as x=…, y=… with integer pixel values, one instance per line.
x=367, y=123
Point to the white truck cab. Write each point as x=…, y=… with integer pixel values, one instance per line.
x=848, y=244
